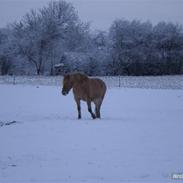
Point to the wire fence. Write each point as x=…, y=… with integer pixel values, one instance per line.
x=154, y=82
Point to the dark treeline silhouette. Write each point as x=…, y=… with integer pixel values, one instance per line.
x=55, y=34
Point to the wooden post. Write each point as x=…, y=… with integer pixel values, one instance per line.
x=14, y=82
x=119, y=81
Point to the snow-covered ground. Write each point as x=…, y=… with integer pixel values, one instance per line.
x=138, y=139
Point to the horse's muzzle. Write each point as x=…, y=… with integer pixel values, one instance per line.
x=64, y=93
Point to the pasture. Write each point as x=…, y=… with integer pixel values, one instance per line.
x=138, y=139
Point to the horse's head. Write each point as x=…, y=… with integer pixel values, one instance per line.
x=67, y=84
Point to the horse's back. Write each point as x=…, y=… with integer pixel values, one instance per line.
x=97, y=88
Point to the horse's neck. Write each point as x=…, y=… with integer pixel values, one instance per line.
x=79, y=84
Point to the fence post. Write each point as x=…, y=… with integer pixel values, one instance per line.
x=119, y=81
x=14, y=82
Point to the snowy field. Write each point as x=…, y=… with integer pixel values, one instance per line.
x=138, y=139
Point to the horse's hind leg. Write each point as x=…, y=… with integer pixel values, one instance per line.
x=90, y=110
x=98, y=103
x=97, y=111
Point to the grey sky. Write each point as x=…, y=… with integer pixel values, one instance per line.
x=101, y=13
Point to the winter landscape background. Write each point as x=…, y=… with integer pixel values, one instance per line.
x=55, y=34
x=138, y=138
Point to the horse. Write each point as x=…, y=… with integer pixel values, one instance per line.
x=86, y=89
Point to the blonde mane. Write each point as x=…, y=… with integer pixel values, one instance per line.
x=79, y=77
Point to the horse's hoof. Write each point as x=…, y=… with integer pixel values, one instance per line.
x=94, y=117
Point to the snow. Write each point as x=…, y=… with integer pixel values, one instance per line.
x=59, y=65
x=138, y=139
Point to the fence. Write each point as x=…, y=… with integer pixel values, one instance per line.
x=154, y=82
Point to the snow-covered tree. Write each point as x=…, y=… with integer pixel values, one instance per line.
x=43, y=36
x=141, y=49
x=55, y=35
x=6, y=52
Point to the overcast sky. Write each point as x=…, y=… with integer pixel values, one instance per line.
x=101, y=13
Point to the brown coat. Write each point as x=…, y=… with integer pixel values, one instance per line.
x=86, y=89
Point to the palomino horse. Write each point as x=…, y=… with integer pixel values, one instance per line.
x=87, y=89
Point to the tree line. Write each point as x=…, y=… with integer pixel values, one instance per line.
x=54, y=34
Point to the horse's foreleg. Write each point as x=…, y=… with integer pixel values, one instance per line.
x=90, y=110
x=79, y=108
